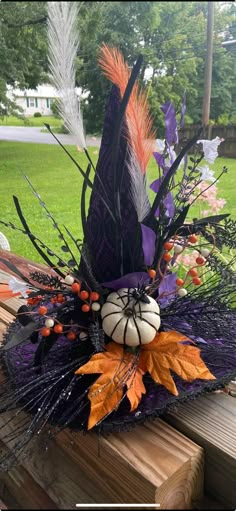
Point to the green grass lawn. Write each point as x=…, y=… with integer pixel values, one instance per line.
x=59, y=184
x=30, y=121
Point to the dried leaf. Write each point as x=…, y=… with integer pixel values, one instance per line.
x=165, y=353
x=104, y=397
x=119, y=369
x=135, y=389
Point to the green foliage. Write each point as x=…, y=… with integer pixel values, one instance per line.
x=170, y=35
x=23, y=47
x=37, y=114
x=172, y=38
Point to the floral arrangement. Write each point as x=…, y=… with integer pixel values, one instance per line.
x=114, y=333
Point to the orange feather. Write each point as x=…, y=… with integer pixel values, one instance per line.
x=140, y=130
x=6, y=293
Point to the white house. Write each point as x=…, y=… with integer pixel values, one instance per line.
x=32, y=101
x=38, y=100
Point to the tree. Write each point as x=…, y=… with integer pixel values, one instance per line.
x=172, y=38
x=23, y=47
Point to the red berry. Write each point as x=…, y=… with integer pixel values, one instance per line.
x=197, y=281
x=58, y=329
x=167, y=257
x=179, y=282
x=71, y=336
x=200, y=260
x=75, y=287
x=167, y=245
x=193, y=272
x=94, y=296
x=60, y=298
x=152, y=273
x=192, y=238
x=45, y=332
x=84, y=295
x=85, y=308
x=42, y=310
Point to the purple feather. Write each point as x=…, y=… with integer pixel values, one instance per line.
x=168, y=201
x=160, y=159
x=148, y=244
x=130, y=280
x=171, y=133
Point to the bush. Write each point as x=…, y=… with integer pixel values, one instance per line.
x=37, y=114
x=54, y=108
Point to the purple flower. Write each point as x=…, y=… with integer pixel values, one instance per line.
x=148, y=244
x=171, y=133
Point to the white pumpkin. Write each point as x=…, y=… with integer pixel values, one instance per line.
x=130, y=320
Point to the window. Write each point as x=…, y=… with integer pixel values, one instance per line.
x=49, y=102
x=32, y=102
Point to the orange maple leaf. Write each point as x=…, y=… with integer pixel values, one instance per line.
x=119, y=369
x=165, y=352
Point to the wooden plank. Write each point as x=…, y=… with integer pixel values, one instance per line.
x=25, y=265
x=5, y=316
x=211, y=422
x=153, y=464
x=20, y=491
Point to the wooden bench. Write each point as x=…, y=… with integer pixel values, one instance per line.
x=161, y=462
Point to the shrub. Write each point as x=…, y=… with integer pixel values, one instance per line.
x=54, y=108
x=37, y=114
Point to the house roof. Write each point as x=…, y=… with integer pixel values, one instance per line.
x=42, y=91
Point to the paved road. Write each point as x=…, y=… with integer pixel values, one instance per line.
x=34, y=135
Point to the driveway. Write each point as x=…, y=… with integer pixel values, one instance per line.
x=34, y=135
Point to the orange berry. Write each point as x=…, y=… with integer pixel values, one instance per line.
x=71, y=336
x=200, y=260
x=152, y=273
x=42, y=310
x=167, y=245
x=58, y=329
x=85, y=308
x=192, y=238
x=94, y=296
x=45, y=332
x=167, y=257
x=60, y=299
x=193, y=272
x=84, y=295
x=75, y=287
x=197, y=281
x=179, y=282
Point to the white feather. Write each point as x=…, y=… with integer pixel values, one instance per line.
x=138, y=189
x=63, y=41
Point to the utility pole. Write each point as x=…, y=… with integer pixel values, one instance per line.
x=208, y=66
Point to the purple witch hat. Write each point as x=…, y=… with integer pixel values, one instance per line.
x=117, y=334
